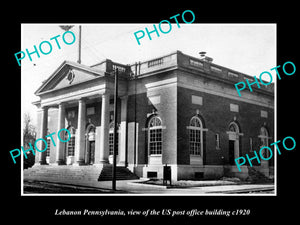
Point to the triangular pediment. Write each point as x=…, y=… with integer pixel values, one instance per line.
x=69, y=74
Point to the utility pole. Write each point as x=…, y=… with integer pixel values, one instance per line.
x=115, y=132
x=79, y=46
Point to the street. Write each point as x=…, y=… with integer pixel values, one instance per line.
x=135, y=188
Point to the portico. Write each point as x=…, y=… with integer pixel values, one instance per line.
x=81, y=104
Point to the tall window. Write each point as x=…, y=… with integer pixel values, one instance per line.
x=111, y=139
x=251, y=144
x=71, y=142
x=264, y=135
x=48, y=147
x=196, y=136
x=155, y=136
x=217, y=138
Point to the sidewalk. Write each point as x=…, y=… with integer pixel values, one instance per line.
x=128, y=187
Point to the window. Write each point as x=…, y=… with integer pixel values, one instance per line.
x=251, y=144
x=48, y=147
x=217, y=137
x=196, y=136
x=91, y=132
x=71, y=142
x=111, y=139
x=233, y=128
x=155, y=136
x=264, y=136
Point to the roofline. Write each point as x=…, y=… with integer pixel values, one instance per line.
x=73, y=64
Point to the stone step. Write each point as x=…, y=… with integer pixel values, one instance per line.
x=122, y=173
x=80, y=173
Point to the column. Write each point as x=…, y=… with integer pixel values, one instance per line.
x=123, y=132
x=60, y=146
x=104, y=133
x=80, y=134
x=41, y=156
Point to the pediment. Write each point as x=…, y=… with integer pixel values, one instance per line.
x=69, y=74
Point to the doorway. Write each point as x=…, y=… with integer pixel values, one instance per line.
x=233, y=142
x=90, y=144
x=231, y=152
x=91, y=153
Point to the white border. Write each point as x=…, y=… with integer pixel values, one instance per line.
x=183, y=194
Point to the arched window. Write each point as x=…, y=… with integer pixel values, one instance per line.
x=90, y=132
x=264, y=141
x=233, y=127
x=264, y=135
x=234, y=142
x=111, y=139
x=155, y=136
x=71, y=142
x=196, y=136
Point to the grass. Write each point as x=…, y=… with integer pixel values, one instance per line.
x=191, y=183
x=254, y=178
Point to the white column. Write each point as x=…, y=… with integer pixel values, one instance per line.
x=123, y=132
x=41, y=156
x=60, y=146
x=80, y=134
x=104, y=134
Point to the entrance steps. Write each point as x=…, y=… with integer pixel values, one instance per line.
x=76, y=174
x=122, y=173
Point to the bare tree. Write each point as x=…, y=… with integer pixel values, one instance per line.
x=29, y=136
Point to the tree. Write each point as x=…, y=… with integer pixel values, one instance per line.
x=29, y=136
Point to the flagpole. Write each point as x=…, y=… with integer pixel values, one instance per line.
x=68, y=27
x=79, y=46
x=115, y=132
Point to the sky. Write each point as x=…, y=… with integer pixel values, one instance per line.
x=247, y=48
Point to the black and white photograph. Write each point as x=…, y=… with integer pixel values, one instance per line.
x=180, y=122
x=150, y=115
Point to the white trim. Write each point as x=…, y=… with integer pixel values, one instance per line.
x=74, y=95
x=196, y=128
x=262, y=136
x=180, y=83
x=232, y=132
x=234, y=107
x=161, y=83
x=95, y=72
x=224, y=94
x=156, y=127
x=197, y=100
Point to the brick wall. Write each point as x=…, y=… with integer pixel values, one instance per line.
x=140, y=108
x=215, y=111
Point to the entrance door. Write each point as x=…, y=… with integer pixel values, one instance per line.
x=231, y=152
x=233, y=137
x=91, y=153
x=90, y=144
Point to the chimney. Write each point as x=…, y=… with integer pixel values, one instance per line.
x=205, y=58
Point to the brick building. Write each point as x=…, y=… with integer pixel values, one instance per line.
x=176, y=110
